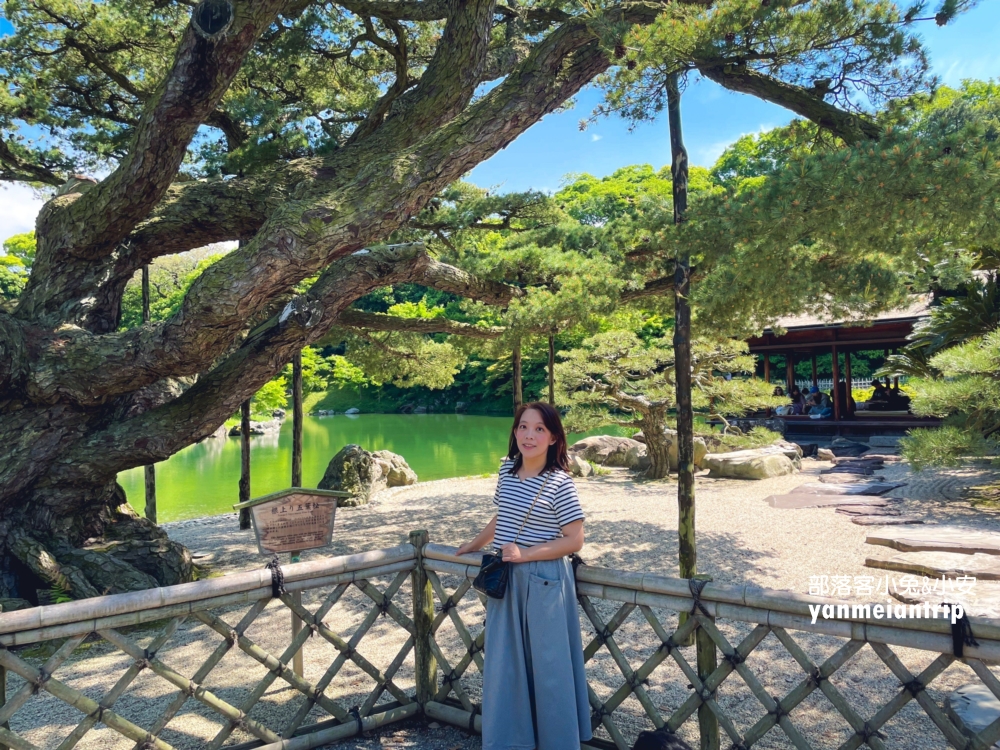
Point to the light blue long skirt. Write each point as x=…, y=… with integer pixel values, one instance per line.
x=534, y=684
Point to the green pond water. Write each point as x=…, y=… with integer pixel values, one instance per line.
x=203, y=479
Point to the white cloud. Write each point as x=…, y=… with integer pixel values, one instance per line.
x=18, y=208
x=594, y=137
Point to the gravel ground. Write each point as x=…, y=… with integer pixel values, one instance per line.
x=631, y=524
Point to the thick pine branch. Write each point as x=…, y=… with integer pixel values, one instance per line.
x=850, y=127
x=394, y=323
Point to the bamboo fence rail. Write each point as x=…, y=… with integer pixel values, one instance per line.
x=437, y=621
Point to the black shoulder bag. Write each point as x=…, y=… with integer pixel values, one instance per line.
x=493, y=571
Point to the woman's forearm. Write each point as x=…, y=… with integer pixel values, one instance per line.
x=570, y=542
x=485, y=536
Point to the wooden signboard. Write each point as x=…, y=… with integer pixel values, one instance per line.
x=295, y=519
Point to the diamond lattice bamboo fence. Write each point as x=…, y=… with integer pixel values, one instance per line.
x=398, y=633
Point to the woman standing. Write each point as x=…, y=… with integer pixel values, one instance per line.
x=534, y=685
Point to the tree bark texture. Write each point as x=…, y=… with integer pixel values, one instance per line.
x=657, y=444
x=688, y=561
x=552, y=369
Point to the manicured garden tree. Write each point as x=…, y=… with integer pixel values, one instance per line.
x=310, y=133
x=618, y=378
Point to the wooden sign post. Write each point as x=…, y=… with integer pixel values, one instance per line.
x=293, y=520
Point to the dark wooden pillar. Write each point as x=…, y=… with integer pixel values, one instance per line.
x=245, y=462
x=790, y=370
x=516, y=379
x=149, y=472
x=297, y=420
x=552, y=369
x=767, y=367
x=847, y=378
x=815, y=377
x=837, y=406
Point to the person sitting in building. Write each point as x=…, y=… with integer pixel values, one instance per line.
x=798, y=400
x=847, y=405
x=879, y=400
x=896, y=399
x=819, y=404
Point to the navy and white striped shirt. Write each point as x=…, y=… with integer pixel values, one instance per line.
x=557, y=506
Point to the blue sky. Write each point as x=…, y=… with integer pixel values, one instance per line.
x=713, y=118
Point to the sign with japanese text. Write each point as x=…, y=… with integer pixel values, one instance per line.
x=294, y=520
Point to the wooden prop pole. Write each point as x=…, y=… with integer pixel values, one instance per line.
x=149, y=472
x=552, y=369
x=847, y=378
x=245, y=463
x=516, y=380
x=815, y=377
x=767, y=367
x=687, y=546
x=789, y=371
x=708, y=661
x=297, y=659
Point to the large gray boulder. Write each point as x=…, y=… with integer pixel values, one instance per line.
x=364, y=473
x=579, y=468
x=395, y=470
x=638, y=457
x=605, y=450
x=749, y=464
x=974, y=706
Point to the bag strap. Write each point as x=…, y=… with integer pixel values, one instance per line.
x=521, y=528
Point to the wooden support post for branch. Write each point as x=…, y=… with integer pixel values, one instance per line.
x=149, y=472
x=297, y=665
x=425, y=664
x=708, y=661
x=552, y=369
x=516, y=380
x=245, y=462
x=687, y=547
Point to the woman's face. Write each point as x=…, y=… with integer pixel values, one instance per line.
x=533, y=437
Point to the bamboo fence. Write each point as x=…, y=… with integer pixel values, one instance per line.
x=439, y=622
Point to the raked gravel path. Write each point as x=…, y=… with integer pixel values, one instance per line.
x=631, y=524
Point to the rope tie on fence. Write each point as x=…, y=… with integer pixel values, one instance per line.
x=603, y=635
x=741, y=745
x=451, y=678
x=448, y=604
x=634, y=681
x=735, y=658
x=914, y=686
x=816, y=676
x=43, y=677
x=668, y=645
x=600, y=713
x=277, y=577
x=961, y=633
x=576, y=561
x=356, y=713
x=778, y=712
x=149, y=743
x=472, y=717
x=867, y=732
x=696, y=585
x=475, y=648
x=383, y=606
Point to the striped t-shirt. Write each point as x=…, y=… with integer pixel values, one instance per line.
x=557, y=506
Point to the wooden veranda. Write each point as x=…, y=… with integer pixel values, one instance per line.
x=806, y=337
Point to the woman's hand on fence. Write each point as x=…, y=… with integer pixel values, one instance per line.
x=511, y=553
x=466, y=548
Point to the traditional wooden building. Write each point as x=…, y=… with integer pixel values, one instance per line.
x=807, y=337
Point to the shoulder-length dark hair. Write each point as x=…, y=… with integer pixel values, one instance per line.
x=557, y=456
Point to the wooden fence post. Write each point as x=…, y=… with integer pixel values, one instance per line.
x=708, y=723
x=3, y=700
x=423, y=615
